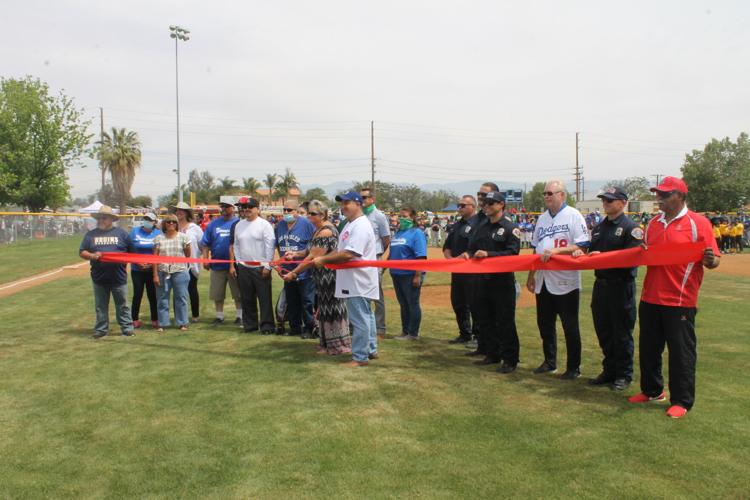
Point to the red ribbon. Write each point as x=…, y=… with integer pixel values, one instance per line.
x=660, y=255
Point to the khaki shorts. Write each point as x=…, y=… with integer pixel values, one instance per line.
x=217, y=290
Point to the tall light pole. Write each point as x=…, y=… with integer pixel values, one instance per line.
x=178, y=33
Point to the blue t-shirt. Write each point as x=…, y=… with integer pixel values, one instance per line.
x=294, y=240
x=407, y=245
x=143, y=242
x=111, y=240
x=216, y=238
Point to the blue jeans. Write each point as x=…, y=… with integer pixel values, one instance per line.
x=408, y=299
x=101, y=306
x=300, y=300
x=362, y=321
x=177, y=283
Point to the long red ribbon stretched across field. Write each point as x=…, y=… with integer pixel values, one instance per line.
x=662, y=255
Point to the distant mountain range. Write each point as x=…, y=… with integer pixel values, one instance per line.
x=462, y=187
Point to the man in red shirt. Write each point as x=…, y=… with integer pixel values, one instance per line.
x=669, y=298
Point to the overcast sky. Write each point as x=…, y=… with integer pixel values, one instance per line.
x=457, y=90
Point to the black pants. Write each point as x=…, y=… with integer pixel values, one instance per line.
x=300, y=300
x=255, y=291
x=195, y=301
x=613, y=309
x=462, y=293
x=141, y=280
x=674, y=326
x=548, y=307
x=494, y=307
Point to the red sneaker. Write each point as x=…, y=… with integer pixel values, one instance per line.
x=137, y=324
x=155, y=324
x=644, y=398
x=676, y=411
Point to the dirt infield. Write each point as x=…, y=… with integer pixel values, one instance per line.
x=79, y=269
x=735, y=265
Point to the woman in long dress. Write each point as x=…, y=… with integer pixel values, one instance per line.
x=330, y=315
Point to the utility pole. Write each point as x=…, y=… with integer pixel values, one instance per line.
x=101, y=142
x=372, y=157
x=578, y=172
x=658, y=178
x=178, y=33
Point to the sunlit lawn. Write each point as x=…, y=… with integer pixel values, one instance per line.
x=216, y=413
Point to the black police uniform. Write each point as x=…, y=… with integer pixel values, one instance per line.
x=462, y=284
x=494, y=303
x=613, y=300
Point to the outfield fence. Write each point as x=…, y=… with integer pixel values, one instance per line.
x=20, y=226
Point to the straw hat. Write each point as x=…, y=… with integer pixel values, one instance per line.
x=105, y=210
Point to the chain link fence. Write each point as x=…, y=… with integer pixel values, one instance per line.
x=16, y=226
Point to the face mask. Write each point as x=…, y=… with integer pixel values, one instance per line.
x=288, y=218
x=404, y=223
x=368, y=210
x=147, y=224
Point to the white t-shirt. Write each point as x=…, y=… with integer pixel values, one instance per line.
x=358, y=237
x=195, y=233
x=253, y=241
x=566, y=228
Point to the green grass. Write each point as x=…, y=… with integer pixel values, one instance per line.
x=213, y=413
x=24, y=258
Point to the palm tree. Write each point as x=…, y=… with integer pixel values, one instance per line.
x=287, y=183
x=225, y=186
x=120, y=154
x=271, y=180
x=251, y=186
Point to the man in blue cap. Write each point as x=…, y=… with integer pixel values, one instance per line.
x=358, y=286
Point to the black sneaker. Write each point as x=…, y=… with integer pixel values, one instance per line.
x=472, y=344
x=545, y=368
x=461, y=339
x=128, y=334
x=217, y=322
x=620, y=384
x=507, y=368
x=267, y=332
x=237, y=321
x=571, y=374
x=307, y=335
x=601, y=379
x=98, y=335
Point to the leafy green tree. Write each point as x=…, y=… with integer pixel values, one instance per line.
x=271, y=181
x=225, y=186
x=638, y=188
x=142, y=201
x=533, y=200
x=108, y=196
x=250, y=186
x=41, y=136
x=120, y=153
x=436, y=200
x=203, y=184
x=286, y=183
x=718, y=176
x=316, y=194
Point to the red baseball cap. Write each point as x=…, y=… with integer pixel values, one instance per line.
x=671, y=184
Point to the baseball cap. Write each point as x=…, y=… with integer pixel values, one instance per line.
x=247, y=201
x=150, y=216
x=671, y=184
x=349, y=196
x=494, y=196
x=225, y=204
x=614, y=193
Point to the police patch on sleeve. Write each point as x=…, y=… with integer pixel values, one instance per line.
x=517, y=233
x=501, y=231
x=637, y=233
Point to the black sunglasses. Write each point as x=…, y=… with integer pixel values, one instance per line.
x=491, y=202
x=664, y=194
x=288, y=210
x=313, y=214
x=481, y=194
x=550, y=193
x=462, y=205
x=171, y=222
